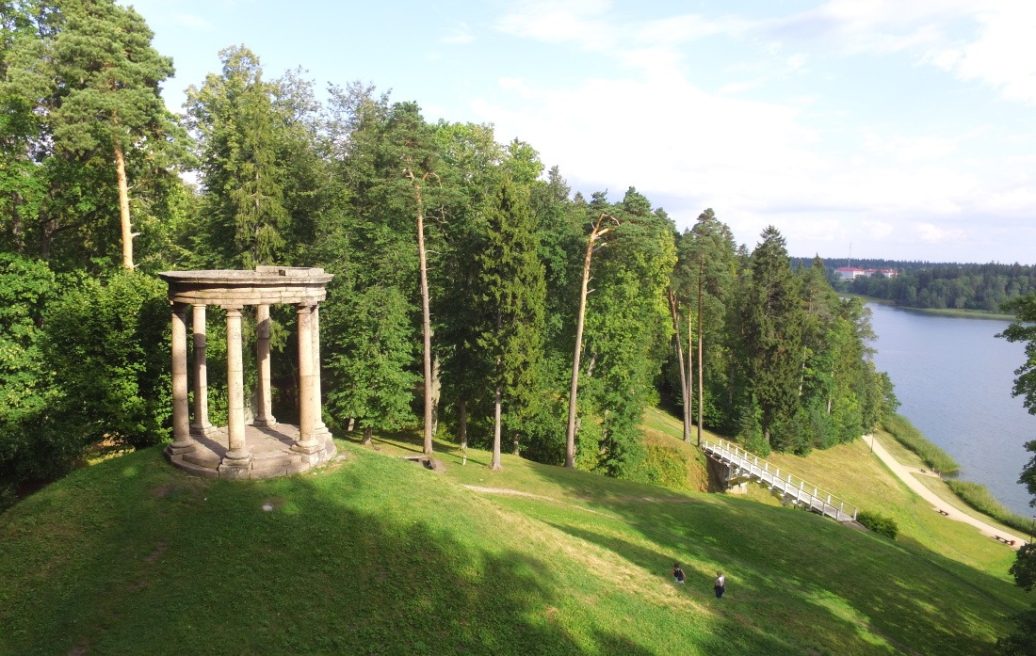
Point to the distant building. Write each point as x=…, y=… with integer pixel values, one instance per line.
x=852, y=273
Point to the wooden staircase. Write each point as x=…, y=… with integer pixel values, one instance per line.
x=743, y=465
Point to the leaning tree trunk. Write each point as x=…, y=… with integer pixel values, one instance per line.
x=683, y=368
x=124, y=211
x=570, y=439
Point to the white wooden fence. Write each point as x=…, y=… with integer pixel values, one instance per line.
x=744, y=464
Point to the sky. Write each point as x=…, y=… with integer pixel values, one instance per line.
x=859, y=128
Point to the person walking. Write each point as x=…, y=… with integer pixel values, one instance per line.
x=720, y=585
x=678, y=575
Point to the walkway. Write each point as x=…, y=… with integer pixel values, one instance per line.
x=742, y=464
x=905, y=474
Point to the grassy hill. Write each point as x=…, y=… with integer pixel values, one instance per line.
x=376, y=555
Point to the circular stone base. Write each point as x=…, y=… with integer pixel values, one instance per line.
x=270, y=451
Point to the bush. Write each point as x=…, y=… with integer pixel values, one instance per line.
x=663, y=464
x=107, y=344
x=908, y=435
x=879, y=523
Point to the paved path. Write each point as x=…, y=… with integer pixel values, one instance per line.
x=906, y=475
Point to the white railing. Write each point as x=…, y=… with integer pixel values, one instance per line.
x=807, y=494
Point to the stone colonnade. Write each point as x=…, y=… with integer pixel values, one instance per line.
x=234, y=290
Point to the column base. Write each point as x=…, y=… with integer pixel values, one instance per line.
x=236, y=465
x=308, y=447
x=268, y=422
x=206, y=430
x=175, y=449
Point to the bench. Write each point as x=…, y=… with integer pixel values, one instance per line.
x=1004, y=540
x=942, y=512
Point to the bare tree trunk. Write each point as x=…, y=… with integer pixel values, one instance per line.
x=426, y=315
x=368, y=433
x=462, y=423
x=124, y=211
x=436, y=394
x=570, y=440
x=689, y=391
x=701, y=366
x=495, y=464
x=683, y=369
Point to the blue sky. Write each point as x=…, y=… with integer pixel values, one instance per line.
x=876, y=128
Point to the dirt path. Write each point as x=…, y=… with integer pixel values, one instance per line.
x=906, y=474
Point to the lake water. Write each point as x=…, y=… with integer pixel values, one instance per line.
x=953, y=379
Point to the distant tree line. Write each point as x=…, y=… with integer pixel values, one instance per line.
x=925, y=285
x=475, y=296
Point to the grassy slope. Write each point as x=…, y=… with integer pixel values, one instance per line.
x=381, y=556
x=853, y=473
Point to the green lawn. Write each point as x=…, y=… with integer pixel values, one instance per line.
x=379, y=556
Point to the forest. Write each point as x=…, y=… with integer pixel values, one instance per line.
x=475, y=297
x=938, y=285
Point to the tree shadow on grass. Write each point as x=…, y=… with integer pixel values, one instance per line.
x=855, y=588
x=166, y=564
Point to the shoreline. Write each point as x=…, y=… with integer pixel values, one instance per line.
x=906, y=474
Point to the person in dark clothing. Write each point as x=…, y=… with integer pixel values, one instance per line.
x=721, y=584
x=678, y=576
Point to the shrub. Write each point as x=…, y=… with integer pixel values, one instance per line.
x=664, y=465
x=879, y=523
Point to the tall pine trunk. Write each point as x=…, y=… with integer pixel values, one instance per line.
x=462, y=423
x=683, y=369
x=426, y=316
x=689, y=391
x=701, y=365
x=495, y=464
x=124, y=211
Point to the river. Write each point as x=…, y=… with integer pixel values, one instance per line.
x=953, y=378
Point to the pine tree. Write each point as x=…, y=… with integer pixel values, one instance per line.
x=512, y=297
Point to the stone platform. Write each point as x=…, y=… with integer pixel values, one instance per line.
x=270, y=447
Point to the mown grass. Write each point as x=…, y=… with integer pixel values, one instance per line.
x=907, y=434
x=379, y=556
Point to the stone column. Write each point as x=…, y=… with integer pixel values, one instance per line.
x=320, y=430
x=182, y=441
x=238, y=454
x=306, y=442
x=264, y=403
x=200, y=425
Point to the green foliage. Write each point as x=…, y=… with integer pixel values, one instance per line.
x=259, y=165
x=1023, y=329
x=981, y=499
x=663, y=464
x=881, y=524
x=1024, y=568
x=907, y=435
x=80, y=81
x=1022, y=641
x=107, y=346
x=26, y=287
x=978, y=287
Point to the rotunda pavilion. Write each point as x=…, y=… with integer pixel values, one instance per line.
x=264, y=447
